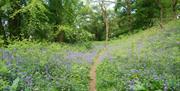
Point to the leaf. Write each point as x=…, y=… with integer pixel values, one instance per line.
x=15, y=84
x=139, y=86
x=3, y=68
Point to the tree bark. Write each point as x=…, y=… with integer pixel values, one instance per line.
x=174, y=4
x=61, y=37
x=161, y=12
x=128, y=3
x=1, y=27
x=161, y=16
x=105, y=19
x=4, y=30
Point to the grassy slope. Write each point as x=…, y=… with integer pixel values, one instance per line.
x=146, y=61
x=44, y=67
x=53, y=67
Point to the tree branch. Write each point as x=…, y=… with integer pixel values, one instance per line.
x=105, y=1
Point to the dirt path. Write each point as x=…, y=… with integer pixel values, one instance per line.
x=96, y=61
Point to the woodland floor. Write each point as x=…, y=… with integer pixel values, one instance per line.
x=96, y=61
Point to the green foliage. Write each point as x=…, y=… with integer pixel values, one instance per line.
x=14, y=85
x=63, y=12
x=3, y=84
x=3, y=68
x=143, y=13
x=73, y=35
x=35, y=21
x=31, y=61
x=27, y=65
x=143, y=62
x=146, y=12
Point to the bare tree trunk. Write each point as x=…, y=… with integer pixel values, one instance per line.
x=105, y=19
x=161, y=18
x=5, y=35
x=107, y=31
x=161, y=13
x=61, y=37
x=128, y=3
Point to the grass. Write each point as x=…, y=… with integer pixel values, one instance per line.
x=146, y=61
x=32, y=66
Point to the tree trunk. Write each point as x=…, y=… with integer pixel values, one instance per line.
x=128, y=3
x=161, y=17
x=5, y=35
x=161, y=13
x=173, y=4
x=105, y=19
x=60, y=37
x=107, y=31
x=1, y=27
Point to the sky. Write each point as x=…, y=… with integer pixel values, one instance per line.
x=109, y=4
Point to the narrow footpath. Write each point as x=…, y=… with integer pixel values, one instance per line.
x=96, y=61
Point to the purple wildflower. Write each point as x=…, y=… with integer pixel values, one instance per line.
x=28, y=80
x=131, y=85
x=134, y=71
x=165, y=85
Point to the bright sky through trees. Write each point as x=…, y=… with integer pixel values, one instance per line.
x=109, y=4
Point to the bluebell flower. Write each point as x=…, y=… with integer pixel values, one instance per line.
x=134, y=71
x=28, y=80
x=165, y=85
x=131, y=85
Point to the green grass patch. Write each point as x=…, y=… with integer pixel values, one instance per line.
x=146, y=61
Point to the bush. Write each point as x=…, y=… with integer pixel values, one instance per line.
x=70, y=35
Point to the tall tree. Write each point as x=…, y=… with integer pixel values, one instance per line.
x=146, y=13
x=34, y=20
x=163, y=6
x=63, y=12
x=160, y=5
x=174, y=7
x=105, y=19
x=6, y=8
x=129, y=9
x=124, y=10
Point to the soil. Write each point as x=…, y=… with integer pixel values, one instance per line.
x=96, y=61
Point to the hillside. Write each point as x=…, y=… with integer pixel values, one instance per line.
x=146, y=61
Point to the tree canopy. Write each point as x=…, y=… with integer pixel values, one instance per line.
x=40, y=19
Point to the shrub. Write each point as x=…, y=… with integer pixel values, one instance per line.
x=70, y=35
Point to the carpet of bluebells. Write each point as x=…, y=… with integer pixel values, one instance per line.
x=146, y=61
x=32, y=66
